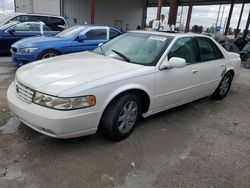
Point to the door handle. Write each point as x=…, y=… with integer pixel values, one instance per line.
x=195, y=71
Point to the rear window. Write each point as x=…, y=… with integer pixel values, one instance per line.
x=57, y=21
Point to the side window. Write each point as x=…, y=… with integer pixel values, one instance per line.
x=184, y=48
x=23, y=27
x=208, y=50
x=20, y=19
x=113, y=33
x=35, y=27
x=46, y=28
x=97, y=34
x=57, y=21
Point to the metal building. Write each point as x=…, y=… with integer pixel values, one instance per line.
x=122, y=14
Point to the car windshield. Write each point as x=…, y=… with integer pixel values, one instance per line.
x=138, y=48
x=71, y=32
x=6, y=18
x=8, y=25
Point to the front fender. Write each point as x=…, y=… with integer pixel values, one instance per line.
x=123, y=89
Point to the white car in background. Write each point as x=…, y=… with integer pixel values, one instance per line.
x=136, y=74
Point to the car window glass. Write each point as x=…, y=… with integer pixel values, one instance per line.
x=23, y=27
x=113, y=33
x=46, y=28
x=35, y=27
x=207, y=50
x=97, y=34
x=184, y=48
x=57, y=21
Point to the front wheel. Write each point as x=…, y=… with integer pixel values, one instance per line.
x=223, y=88
x=121, y=116
x=48, y=54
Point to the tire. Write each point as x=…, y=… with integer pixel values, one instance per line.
x=48, y=54
x=223, y=88
x=121, y=116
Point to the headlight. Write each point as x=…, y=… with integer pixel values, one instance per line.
x=64, y=103
x=27, y=50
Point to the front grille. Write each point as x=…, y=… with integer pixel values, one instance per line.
x=24, y=92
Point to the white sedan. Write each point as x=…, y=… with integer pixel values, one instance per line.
x=134, y=75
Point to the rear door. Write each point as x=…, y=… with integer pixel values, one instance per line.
x=95, y=36
x=212, y=65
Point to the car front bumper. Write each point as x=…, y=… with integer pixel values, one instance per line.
x=19, y=59
x=53, y=123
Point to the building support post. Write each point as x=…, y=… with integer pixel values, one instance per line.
x=92, y=11
x=173, y=10
x=229, y=17
x=158, y=17
x=62, y=8
x=237, y=31
x=247, y=26
x=190, y=9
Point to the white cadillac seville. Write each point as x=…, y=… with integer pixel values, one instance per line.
x=134, y=75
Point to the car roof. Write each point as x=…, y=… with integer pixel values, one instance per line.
x=179, y=35
x=48, y=15
x=89, y=26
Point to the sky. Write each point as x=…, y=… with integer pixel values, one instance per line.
x=201, y=15
x=207, y=15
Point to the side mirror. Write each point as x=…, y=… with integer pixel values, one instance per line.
x=174, y=62
x=100, y=44
x=11, y=30
x=81, y=37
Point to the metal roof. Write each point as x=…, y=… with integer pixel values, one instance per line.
x=153, y=3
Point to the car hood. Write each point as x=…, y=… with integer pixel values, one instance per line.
x=55, y=75
x=36, y=41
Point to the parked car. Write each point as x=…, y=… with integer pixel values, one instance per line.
x=136, y=74
x=12, y=32
x=71, y=40
x=24, y=17
x=245, y=52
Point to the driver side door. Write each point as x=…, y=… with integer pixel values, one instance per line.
x=176, y=86
x=93, y=38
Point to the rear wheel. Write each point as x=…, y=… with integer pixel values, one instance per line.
x=121, y=116
x=48, y=54
x=223, y=88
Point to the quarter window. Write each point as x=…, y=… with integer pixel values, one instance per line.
x=97, y=34
x=184, y=48
x=208, y=50
x=113, y=33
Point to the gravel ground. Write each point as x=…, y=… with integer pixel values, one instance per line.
x=202, y=144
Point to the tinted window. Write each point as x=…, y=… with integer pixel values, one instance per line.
x=57, y=21
x=43, y=19
x=184, y=48
x=208, y=50
x=113, y=33
x=20, y=19
x=97, y=34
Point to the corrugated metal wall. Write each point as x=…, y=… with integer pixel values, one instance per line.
x=123, y=14
x=76, y=11
x=51, y=7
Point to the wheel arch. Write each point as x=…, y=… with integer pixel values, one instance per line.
x=142, y=92
x=52, y=49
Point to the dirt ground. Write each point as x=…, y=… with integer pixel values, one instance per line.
x=202, y=144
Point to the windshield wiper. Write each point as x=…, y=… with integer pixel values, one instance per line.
x=122, y=55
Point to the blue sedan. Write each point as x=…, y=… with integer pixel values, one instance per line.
x=71, y=40
x=14, y=31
